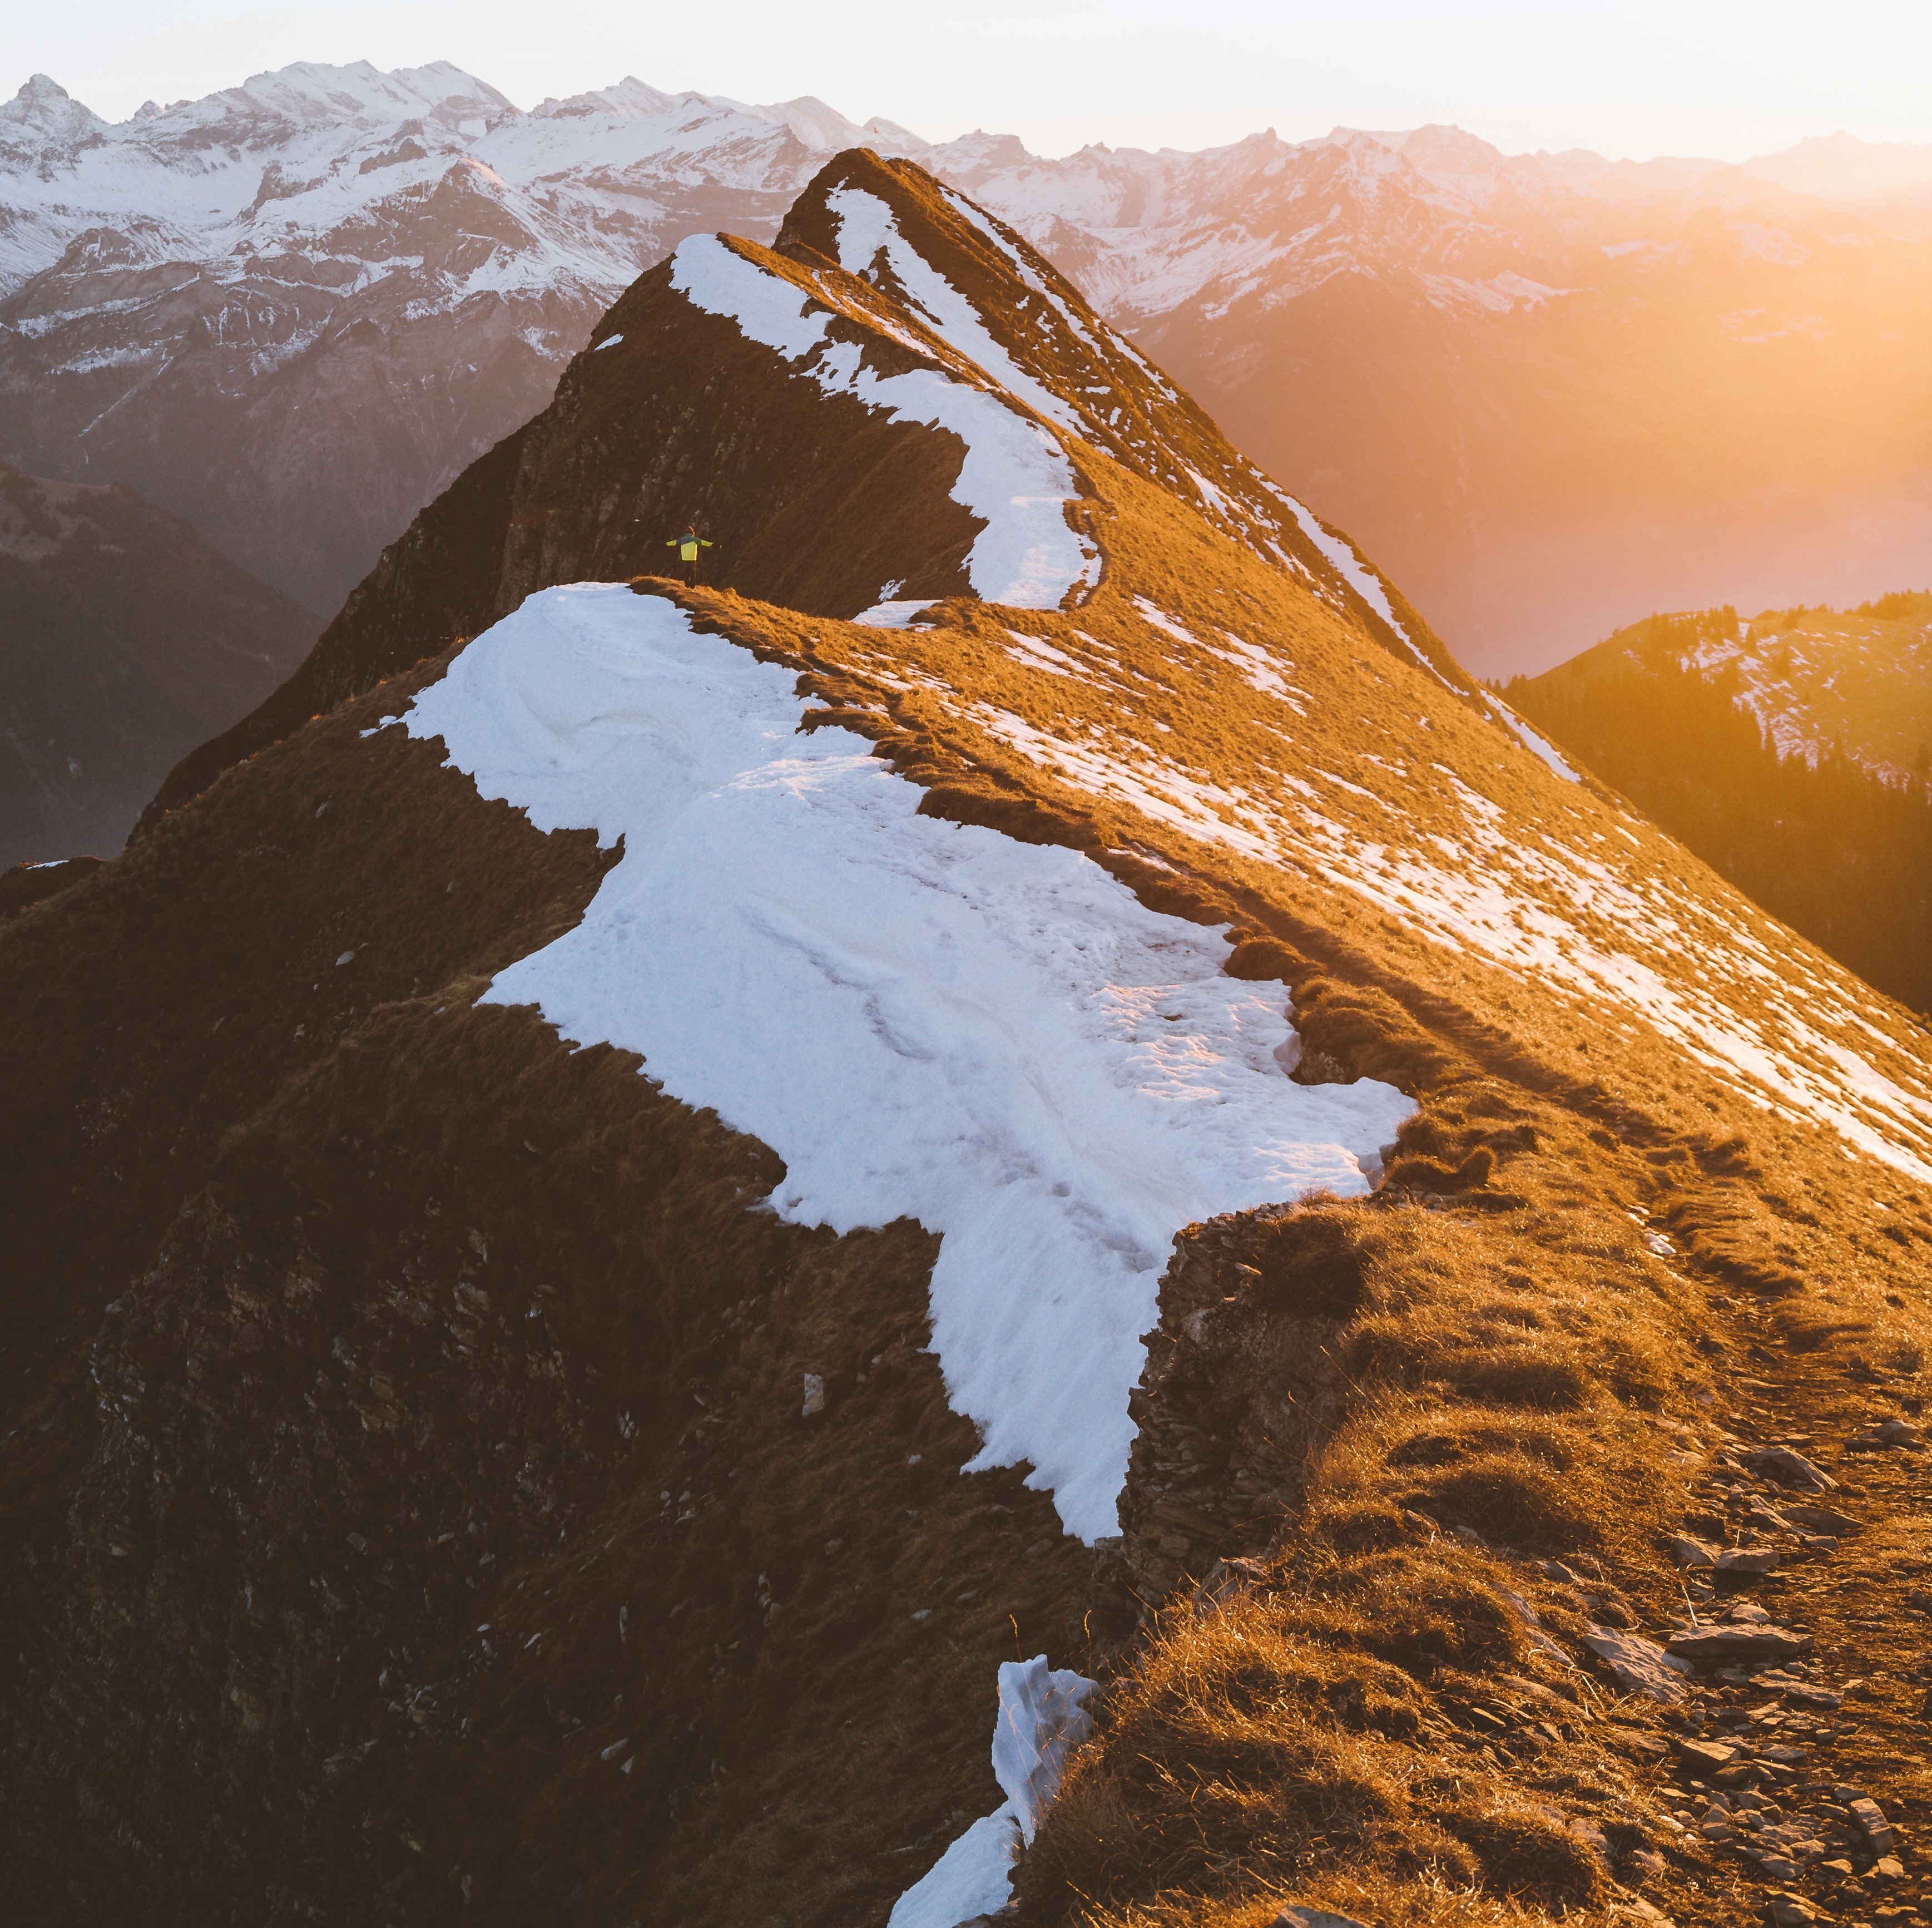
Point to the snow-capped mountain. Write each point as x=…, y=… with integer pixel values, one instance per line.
x=649, y=1166
x=292, y=310
x=1542, y=388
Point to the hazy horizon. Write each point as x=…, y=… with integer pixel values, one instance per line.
x=1717, y=80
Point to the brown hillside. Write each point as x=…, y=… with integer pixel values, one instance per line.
x=411, y=1512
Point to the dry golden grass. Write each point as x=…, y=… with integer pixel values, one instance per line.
x=1305, y=1733
x=1490, y=1344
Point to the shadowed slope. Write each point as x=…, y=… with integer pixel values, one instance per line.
x=1791, y=753
x=125, y=638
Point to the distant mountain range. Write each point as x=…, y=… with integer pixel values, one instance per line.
x=125, y=640
x=1539, y=387
x=1792, y=751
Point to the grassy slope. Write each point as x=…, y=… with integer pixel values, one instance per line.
x=1488, y=1343
x=345, y=1318
x=1516, y=1326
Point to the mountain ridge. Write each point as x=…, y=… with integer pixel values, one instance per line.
x=799, y=551
x=433, y=1281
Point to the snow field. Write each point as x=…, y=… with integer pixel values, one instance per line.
x=1534, y=903
x=922, y=1018
x=1016, y=476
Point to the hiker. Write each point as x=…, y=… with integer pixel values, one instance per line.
x=687, y=546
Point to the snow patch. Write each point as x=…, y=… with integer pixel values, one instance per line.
x=892, y=615
x=1016, y=476
x=1530, y=738
x=1043, y=1717
x=973, y=1877
x=922, y=1018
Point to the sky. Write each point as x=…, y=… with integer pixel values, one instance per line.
x=1630, y=78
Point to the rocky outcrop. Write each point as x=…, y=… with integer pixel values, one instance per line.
x=1242, y=1386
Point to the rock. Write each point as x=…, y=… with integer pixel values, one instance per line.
x=1690, y=1553
x=1225, y=1580
x=1628, y=1907
x=1738, y=1641
x=1779, y=1868
x=1583, y=1829
x=1870, y=1819
x=1886, y=1868
x=815, y=1395
x=1788, y=1910
x=1534, y=1634
x=1653, y=1747
x=1802, y=1693
x=1747, y=1562
x=1788, y=1468
x=1638, y=1665
x=1296, y=1915
x=1901, y=1433
x=1707, y=1756
x=1819, y=1519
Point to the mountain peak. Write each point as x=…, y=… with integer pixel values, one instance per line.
x=43, y=113
x=1169, y=1060
x=630, y=99
x=1841, y=168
